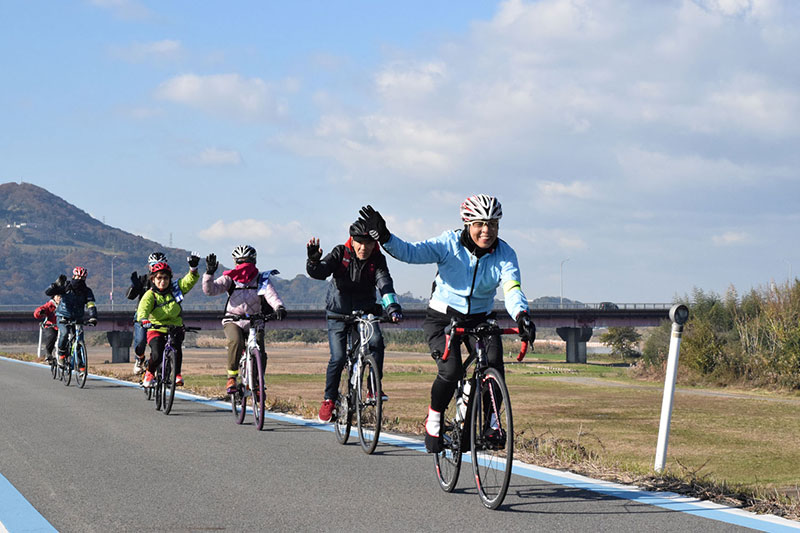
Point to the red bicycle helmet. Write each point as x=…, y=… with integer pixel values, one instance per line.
x=158, y=267
x=79, y=273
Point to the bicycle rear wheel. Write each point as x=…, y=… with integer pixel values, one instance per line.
x=370, y=405
x=81, y=360
x=169, y=381
x=258, y=391
x=159, y=386
x=492, y=438
x=238, y=397
x=344, y=410
x=68, y=364
x=448, y=461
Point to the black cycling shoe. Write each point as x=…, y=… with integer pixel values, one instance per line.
x=495, y=438
x=433, y=444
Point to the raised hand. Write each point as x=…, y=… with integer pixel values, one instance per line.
x=375, y=223
x=211, y=264
x=313, y=250
x=193, y=260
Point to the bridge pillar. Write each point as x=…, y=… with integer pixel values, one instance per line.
x=120, y=342
x=576, y=342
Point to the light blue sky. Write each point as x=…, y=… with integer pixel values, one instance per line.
x=652, y=144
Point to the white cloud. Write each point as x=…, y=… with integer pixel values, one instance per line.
x=730, y=238
x=251, y=229
x=217, y=157
x=576, y=189
x=404, y=81
x=164, y=50
x=227, y=94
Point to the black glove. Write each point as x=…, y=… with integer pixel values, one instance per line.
x=193, y=260
x=527, y=331
x=395, y=312
x=211, y=264
x=61, y=281
x=375, y=224
x=314, y=252
x=280, y=312
x=134, y=277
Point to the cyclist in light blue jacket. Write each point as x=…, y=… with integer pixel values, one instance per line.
x=473, y=262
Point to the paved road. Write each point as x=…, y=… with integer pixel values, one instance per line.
x=102, y=459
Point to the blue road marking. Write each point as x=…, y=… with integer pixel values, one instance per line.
x=16, y=513
x=666, y=500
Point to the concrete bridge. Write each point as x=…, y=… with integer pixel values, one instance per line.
x=574, y=323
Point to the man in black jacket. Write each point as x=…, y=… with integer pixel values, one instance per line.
x=358, y=268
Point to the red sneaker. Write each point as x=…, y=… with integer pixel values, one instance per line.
x=179, y=380
x=326, y=411
x=148, y=379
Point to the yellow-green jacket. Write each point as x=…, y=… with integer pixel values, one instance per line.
x=164, y=310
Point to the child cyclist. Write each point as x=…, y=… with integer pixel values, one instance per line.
x=75, y=296
x=357, y=268
x=139, y=285
x=472, y=263
x=248, y=290
x=47, y=313
x=160, y=308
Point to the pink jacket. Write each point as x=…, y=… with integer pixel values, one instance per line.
x=245, y=300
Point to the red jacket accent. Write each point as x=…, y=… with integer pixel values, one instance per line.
x=48, y=311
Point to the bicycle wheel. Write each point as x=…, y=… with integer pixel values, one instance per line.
x=370, y=405
x=68, y=364
x=344, y=409
x=159, y=386
x=238, y=398
x=169, y=380
x=492, y=438
x=54, y=367
x=448, y=461
x=258, y=391
x=81, y=360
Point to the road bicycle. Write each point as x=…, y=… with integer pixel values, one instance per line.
x=164, y=382
x=361, y=393
x=480, y=411
x=250, y=380
x=77, y=358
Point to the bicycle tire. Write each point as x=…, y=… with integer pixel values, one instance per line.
x=343, y=420
x=448, y=461
x=259, y=392
x=159, y=385
x=491, y=462
x=239, y=398
x=370, y=405
x=67, y=370
x=82, y=360
x=54, y=367
x=169, y=383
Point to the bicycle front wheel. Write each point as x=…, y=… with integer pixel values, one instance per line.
x=344, y=410
x=169, y=381
x=258, y=390
x=492, y=438
x=81, y=361
x=370, y=405
x=448, y=461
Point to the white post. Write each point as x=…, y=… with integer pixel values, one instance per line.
x=561, y=278
x=679, y=315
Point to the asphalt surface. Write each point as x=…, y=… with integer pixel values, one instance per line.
x=102, y=458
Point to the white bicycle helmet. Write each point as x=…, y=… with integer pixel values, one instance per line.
x=156, y=257
x=481, y=207
x=244, y=253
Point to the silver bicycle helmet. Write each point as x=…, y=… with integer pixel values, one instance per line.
x=156, y=257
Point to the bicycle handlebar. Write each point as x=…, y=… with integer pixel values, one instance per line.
x=252, y=318
x=358, y=315
x=458, y=332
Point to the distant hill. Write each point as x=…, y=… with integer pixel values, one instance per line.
x=35, y=249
